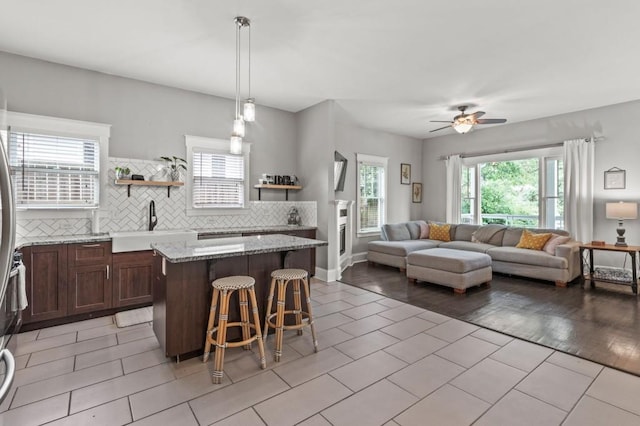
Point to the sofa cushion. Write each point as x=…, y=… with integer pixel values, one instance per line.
x=489, y=234
x=554, y=242
x=414, y=228
x=440, y=232
x=424, y=231
x=532, y=241
x=400, y=248
x=511, y=237
x=467, y=245
x=464, y=232
x=527, y=257
x=457, y=261
x=396, y=231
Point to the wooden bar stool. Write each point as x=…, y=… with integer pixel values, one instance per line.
x=222, y=289
x=283, y=277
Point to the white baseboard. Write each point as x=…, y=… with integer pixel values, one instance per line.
x=359, y=257
x=321, y=274
x=327, y=275
x=335, y=274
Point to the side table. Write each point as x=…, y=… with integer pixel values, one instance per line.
x=630, y=250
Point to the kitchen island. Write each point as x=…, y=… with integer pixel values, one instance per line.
x=184, y=272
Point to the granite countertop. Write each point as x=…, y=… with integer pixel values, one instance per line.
x=253, y=229
x=61, y=239
x=92, y=238
x=234, y=246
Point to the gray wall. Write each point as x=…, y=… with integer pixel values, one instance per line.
x=148, y=120
x=315, y=142
x=351, y=139
x=618, y=147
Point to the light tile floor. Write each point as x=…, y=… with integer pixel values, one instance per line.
x=380, y=362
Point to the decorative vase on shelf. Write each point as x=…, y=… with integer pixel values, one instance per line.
x=174, y=165
x=123, y=173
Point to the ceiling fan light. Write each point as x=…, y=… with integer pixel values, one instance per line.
x=235, y=146
x=462, y=127
x=249, y=110
x=238, y=127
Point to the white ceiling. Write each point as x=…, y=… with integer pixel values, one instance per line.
x=392, y=65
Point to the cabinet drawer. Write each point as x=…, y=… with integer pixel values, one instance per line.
x=87, y=254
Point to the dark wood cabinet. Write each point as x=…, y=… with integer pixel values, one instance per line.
x=133, y=278
x=46, y=282
x=89, y=284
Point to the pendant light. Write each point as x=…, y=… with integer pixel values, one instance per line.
x=249, y=112
x=249, y=106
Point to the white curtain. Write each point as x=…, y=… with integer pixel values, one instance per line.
x=454, y=173
x=578, y=188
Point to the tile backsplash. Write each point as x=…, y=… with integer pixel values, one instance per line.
x=124, y=213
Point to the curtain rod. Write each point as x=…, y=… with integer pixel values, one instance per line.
x=507, y=151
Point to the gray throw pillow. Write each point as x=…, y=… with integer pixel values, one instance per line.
x=397, y=231
x=489, y=234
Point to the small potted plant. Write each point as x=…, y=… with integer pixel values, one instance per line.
x=122, y=172
x=174, y=165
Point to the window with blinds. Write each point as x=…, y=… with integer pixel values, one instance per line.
x=371, y=201
x=218, y=180
x=52, y=171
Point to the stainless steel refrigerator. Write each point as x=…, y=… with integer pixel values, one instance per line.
x=10, y=312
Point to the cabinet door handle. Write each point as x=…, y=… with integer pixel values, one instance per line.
x=90, y=245
x=107, y=271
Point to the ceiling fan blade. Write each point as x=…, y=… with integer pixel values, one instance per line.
x=441, y=121
x=478, y=114
x=441, y=128
x=491, y=120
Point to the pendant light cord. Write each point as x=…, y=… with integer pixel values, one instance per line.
x=239, y=25
x=249, y=65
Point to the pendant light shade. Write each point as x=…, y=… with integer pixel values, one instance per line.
x=236, y=145
x=249, y=109
x=238, y=127
x=249, y=114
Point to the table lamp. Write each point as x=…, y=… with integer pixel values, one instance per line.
x=621, y=211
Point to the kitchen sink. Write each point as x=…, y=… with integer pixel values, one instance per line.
x=142, y=240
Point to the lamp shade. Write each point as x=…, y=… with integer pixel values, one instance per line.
x=622, y=210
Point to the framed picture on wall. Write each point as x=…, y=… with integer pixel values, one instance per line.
x=416, y=191
x=405, y=173
x=615, y=178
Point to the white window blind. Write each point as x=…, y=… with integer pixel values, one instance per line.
x=218, y=180
x=372, y=193
x=51, y=171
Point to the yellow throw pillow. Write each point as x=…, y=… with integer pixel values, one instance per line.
x=532, y=241
x=439, y=232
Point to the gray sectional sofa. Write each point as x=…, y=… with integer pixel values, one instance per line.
x=497, y=241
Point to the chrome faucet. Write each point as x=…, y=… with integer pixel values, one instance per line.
x=153, y=219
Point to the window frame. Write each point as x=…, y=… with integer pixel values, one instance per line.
x=374, y=160
x=56, y=126
x=542, y=155
x=213, y=145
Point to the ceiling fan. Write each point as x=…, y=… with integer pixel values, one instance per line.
x=462, y=123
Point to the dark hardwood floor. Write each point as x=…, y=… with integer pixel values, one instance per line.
x=601, y=324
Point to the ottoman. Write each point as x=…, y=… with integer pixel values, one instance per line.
x=458, y=269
